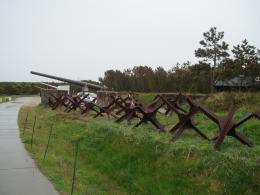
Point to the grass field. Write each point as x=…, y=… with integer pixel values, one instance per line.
x=118, y=159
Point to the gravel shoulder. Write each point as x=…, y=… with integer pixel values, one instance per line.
x=33, y=101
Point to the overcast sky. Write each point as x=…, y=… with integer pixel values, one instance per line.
x=80, y=39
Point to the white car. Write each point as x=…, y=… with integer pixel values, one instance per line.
x=89, y=98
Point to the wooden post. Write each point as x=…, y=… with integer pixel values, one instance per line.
x=25, y=122
x=48, y=142
x=74, y=166
x=129, y=177
x=33, y=130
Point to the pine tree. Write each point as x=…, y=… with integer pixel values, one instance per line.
x=213, y=49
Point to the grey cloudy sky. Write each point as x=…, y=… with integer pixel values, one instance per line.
x=80, y=39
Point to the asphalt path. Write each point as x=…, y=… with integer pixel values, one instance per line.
x=18, y=172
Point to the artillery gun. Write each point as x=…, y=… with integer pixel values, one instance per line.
x=85, y=85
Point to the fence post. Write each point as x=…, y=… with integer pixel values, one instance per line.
x=33, y=130
x=25, y=122
x=129, y=177
x=74, y=166
x=48, y=142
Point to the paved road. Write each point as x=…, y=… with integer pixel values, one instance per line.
x=18, y=173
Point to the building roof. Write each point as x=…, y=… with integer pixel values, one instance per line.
x=239, y=81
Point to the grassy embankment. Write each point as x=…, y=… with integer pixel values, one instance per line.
x=118, y=159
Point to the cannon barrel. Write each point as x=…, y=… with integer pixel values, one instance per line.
x=79, y=83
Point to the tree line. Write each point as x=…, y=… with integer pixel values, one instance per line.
x=18, y=88
x=215, y=61
x=31, y=88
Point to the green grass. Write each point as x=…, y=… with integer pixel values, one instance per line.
x=118, y=159
x=146, y=97
x=221, y=101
